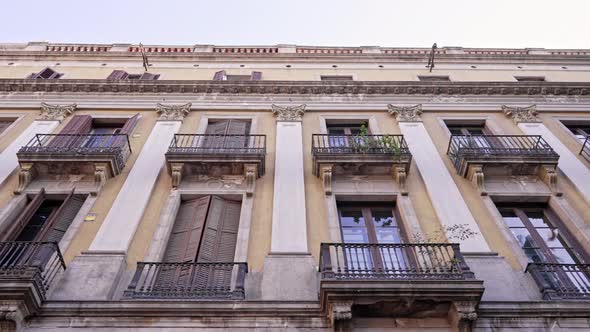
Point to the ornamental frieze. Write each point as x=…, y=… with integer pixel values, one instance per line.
x=522, y=114
x=406, y=113
x=294, y=113
x=299, y=87
x=173, y=112
x=51, y=112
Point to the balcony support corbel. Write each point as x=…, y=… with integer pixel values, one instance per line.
x=341, y=315
x=548, y=174
x=250, y=171
x=176, y=171
x=399, y=174
x=326, y=176
x=26, y=174
x=462, y=315
x=476, y=176
x=101, y=175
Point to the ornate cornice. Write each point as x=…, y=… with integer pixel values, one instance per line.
x=173, y=112
x=294, y=113
x=522, y=114
x=297, y=87
x=55, y=112
x=406, y=113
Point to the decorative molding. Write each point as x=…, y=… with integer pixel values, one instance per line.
x=326, y=176
x=173, y=112
x=406, y=113
x=250, y=172
x=176, y=171
x=26, y=174
x=293, y=114
x=399, y=174
x=548, y=174
x=191, y=87
x=476, y=176
x=522, y=114
x=55, y=112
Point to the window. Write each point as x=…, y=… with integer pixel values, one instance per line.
x=338, y=133
x=535, y=227
x=45, y=219
x=468, y=129
x=85, y=131
x=434, y=78
x=123, y=75
x=530, y=78
x=222, y=76
x=581, y=130
x=336, y=78
x=45, y=74
x=227, y=134
x=472, y=135
x=4, y=124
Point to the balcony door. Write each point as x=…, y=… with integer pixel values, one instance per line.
x=535, y=228
x=205, y=231
x=343, y=135
x=473, y=136
x=363, y=224
x=227, y=135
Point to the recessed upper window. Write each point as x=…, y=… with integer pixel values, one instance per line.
x=4, y=124
x=581, y=130
x=530, y=78
x=123, y=75
x=223, y=76
x=346, y=128
x=45, y=74
x=436, y=78
x=336, y=78
x=467, y=128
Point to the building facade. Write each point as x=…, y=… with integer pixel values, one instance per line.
x=293, y=188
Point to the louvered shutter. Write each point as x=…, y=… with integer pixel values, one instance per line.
x=216, y=138
x=149, y=77
x=219, y=76
x=78, y=125
x=118, y=75
x=256, y=76
x=218, y=244
x=127, y=129
x=12, y=232
x=47, y=73
x=240, y=128
x=63, y=218
x=183, y=243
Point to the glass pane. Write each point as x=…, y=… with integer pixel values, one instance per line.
x=355, y=235
x=563, y=256
x=352, y=218
x=388, y=235
x=383, y=218
x=534, y=255
x=475, y=131
x=336, y=131
x=511, y=219
x=537, y=218
x=523, y=237
x=551, y=237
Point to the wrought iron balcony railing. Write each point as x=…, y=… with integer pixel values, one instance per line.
x=498, y=148
x=393, y=145
x=427, y=261
x=585, y=152
x=218, y=144
x=200, y=281
x=37, y=262
x=562, y=281
x=80, y=145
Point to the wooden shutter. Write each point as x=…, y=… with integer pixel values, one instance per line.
x=130, y=124
x=80, y=125
x=47, y=73
x=219, y=76
x=58, y=225
x=118, y=75
x=218, y=129
x=186, y=232
x=221, y=230
x=149, y=77
x=13, y=231
x=237, y=127
x=256, y=76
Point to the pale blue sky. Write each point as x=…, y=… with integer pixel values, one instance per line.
x=474, y=23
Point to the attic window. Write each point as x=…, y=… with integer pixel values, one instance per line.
x=432, y=78
x=45, y=74
x=530, y=78
x=223, y=76
x=123, y=75
x=336, y=78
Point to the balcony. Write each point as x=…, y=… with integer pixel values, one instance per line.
x=197, y=281
x=503, y=155
x=397, y=280
x=562, y=281
x=27, y=270
x=585, y=152
x=95, y=157
x=216, y=155
x=335, y=155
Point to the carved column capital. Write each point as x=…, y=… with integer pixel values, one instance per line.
x=406, y=113
x=55, y=112
x=292, y=114
x=522, y=114
x=173, y=112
